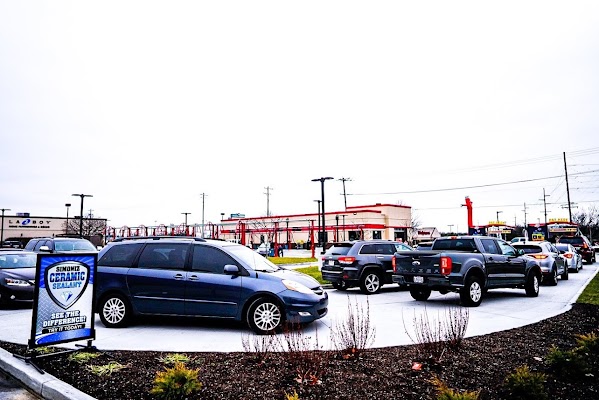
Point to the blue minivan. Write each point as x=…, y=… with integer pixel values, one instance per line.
x=195, y=277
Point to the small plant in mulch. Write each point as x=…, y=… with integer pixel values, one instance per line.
x=446, y=393
x=173, y=358
x=106, y=369
x=292, y=396
x=176, y=383
x=434, y=336
x=82, y=357
x=566, y=362
x=525, y=384
x=305, y=356
x=354, y=334
x=259, y=346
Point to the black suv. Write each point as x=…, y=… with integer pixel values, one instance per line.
x=60, y=245
x=582, y=245
x=367, y=263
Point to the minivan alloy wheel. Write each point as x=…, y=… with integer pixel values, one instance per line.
x=265, y=316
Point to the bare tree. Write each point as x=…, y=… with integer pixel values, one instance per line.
x=588, y=221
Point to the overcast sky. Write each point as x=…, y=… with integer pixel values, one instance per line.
x=147, y=105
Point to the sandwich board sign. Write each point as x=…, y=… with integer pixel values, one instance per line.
x=63, y=299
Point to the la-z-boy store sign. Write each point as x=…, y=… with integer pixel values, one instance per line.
x=30, y=223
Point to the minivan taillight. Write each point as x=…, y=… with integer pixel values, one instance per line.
x=445, y=265
x=346, y=260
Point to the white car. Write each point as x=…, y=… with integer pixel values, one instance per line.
x=263, y=249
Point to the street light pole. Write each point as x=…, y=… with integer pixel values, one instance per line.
x=318, y=236
x=321, y=180
x=288, y=246
x=81, y=212
x=337, y=228
x=497, y=220
x=2, y=226
x=343, y=216
x=186, y=214
x=450, y=228
x=66, y=230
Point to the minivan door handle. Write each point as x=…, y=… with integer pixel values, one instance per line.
x=193, y=277
x=178, y=277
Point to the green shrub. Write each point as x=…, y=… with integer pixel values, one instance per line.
x=525, y=384
x=588, y=344
x=445, y=393
x=567, y=362
x=176, y=383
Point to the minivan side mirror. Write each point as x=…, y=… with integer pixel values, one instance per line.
x=44, y=249
x=231, y=269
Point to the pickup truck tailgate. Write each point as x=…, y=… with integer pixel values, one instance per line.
x=417, y=262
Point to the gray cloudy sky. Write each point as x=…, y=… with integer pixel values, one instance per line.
x=148, y=104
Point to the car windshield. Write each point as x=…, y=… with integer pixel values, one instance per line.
x=8, y=261
x=73, y=245
x=529, y=249
x=339, y=249
x=252, y=259
x=573, y=240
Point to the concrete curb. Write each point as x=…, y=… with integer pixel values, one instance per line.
x=44, y=385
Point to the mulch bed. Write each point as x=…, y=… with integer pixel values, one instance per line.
x=480, y=364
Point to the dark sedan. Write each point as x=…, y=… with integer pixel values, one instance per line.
x=17, y=276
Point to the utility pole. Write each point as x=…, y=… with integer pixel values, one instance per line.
x=344, y=195
x=524, y=215
x=81, y=211
x=567, y=190
x=545, y=208
x=203, y=201
x=2, y=226
x=450, y=228
x=268, y=189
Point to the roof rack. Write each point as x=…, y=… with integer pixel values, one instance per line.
x=122, y=239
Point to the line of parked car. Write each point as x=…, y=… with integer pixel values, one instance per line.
x=468, y=265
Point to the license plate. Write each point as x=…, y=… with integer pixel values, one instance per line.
x=418, y=279
x=331, y=262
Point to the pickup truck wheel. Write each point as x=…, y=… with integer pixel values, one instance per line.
x=420, y=294
x=341, y=285
x=472, y=292
x=553, y=277
x=532, y=285
x=370, y=283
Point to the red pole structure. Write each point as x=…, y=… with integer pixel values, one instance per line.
x=468, y=206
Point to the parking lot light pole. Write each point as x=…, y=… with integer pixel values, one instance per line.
x=66, y=230
x=321, y=180
x=186, y=214
x=81, y=212
x=2, y=226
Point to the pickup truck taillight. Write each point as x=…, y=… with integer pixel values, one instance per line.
x=445, y=265
x=346, y=260
x=540, y=256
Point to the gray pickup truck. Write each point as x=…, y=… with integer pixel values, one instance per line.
x=468, y=265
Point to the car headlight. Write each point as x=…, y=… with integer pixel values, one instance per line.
x=296, y=287
x=16, y=282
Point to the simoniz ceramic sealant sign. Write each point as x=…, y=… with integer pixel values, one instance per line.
x=63, y=299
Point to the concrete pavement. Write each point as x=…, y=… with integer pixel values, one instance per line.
x=393, y=313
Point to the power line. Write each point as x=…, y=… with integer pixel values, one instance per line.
x=470, y=187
